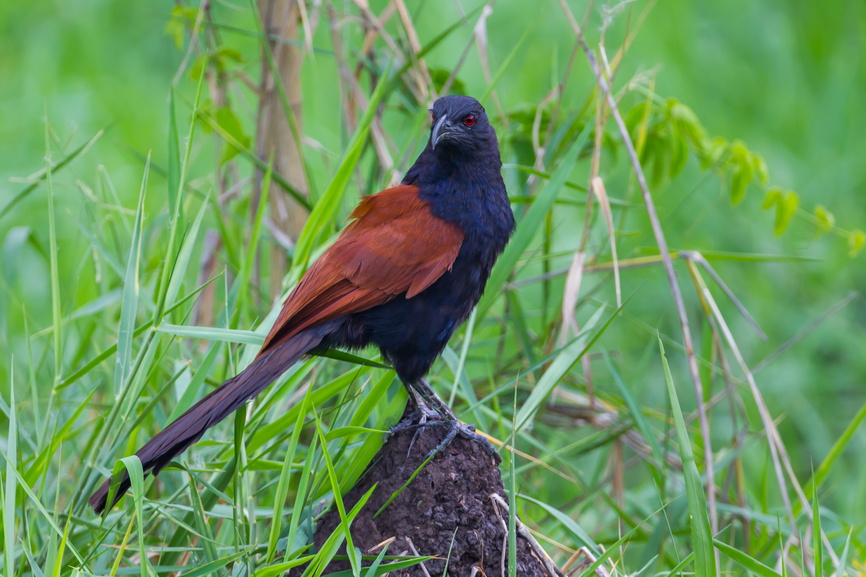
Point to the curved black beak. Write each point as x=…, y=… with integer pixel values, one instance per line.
x=440, y=130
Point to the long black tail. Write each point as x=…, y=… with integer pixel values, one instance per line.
x=228, y=397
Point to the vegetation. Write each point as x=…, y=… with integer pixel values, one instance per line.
x=144, y=256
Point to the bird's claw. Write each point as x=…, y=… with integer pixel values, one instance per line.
x=417, y=420
x=465, y=430
x=428, y=418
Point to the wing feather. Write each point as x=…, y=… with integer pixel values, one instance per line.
x=393, y=246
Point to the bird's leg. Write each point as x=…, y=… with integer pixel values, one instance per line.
x=423, y=414
x=423, y=390
x=424, y=410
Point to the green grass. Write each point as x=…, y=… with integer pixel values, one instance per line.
x=103, y=294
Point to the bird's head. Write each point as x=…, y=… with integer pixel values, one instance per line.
x=459, y=125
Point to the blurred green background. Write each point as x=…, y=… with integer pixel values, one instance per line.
x=788, y=77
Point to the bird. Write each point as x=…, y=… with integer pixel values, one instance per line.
x=403, y=275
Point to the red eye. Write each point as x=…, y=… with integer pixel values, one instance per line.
x=469, y=120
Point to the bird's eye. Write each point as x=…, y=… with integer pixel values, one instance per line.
x=469, y=120
x=432, y=117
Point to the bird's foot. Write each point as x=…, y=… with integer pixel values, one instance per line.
x=439, y=416
x=465, y=430
x=417, y=420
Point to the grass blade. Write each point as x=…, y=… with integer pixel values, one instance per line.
x=285, y=476
x=214, y=334
x=300, y=499
x=9, y=504
x=49, y=518
x=748, y=563
x=836, y=450
x=173, y=152
x=564, y=361
x=326, y=207
x=214, y=566
x=530, y=224
x=55, y=168
x=183, y=258
x=699, y=520
x=505, y=64
x=175, y=210
x=345, y=523
x=817, y=546
x=129, y=305
x=569, y=524
x=843, y=559
x=136, y=477
x=55, y=278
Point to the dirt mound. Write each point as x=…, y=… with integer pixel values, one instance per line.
x=453, y=491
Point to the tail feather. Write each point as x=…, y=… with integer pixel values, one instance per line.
x=227, y=398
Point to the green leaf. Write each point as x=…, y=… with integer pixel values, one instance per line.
x=201, y=524
x=227, y=120
x=759, y=165
x=743, y=174
x=679, y=154
x=856, y=241
x=741, y=179
x=351, y=431
x=329, y=548
x=176, y=25
x=565, y=360
x=785, y=210
x=175, y=29
x=687, y=121
x=772, y=198
x=713, y=151
x=825, y=218
x=637, y=414
x=699, y=521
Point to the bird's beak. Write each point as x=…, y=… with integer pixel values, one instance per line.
x=440, y=130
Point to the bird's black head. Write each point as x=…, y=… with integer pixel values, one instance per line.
x=460, y=125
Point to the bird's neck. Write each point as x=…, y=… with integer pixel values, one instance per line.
x=466, y=189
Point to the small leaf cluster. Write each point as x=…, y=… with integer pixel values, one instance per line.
x=664, y=131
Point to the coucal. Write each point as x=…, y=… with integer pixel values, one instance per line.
x=403, y=275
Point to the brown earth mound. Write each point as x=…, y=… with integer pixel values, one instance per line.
x=454, y=491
